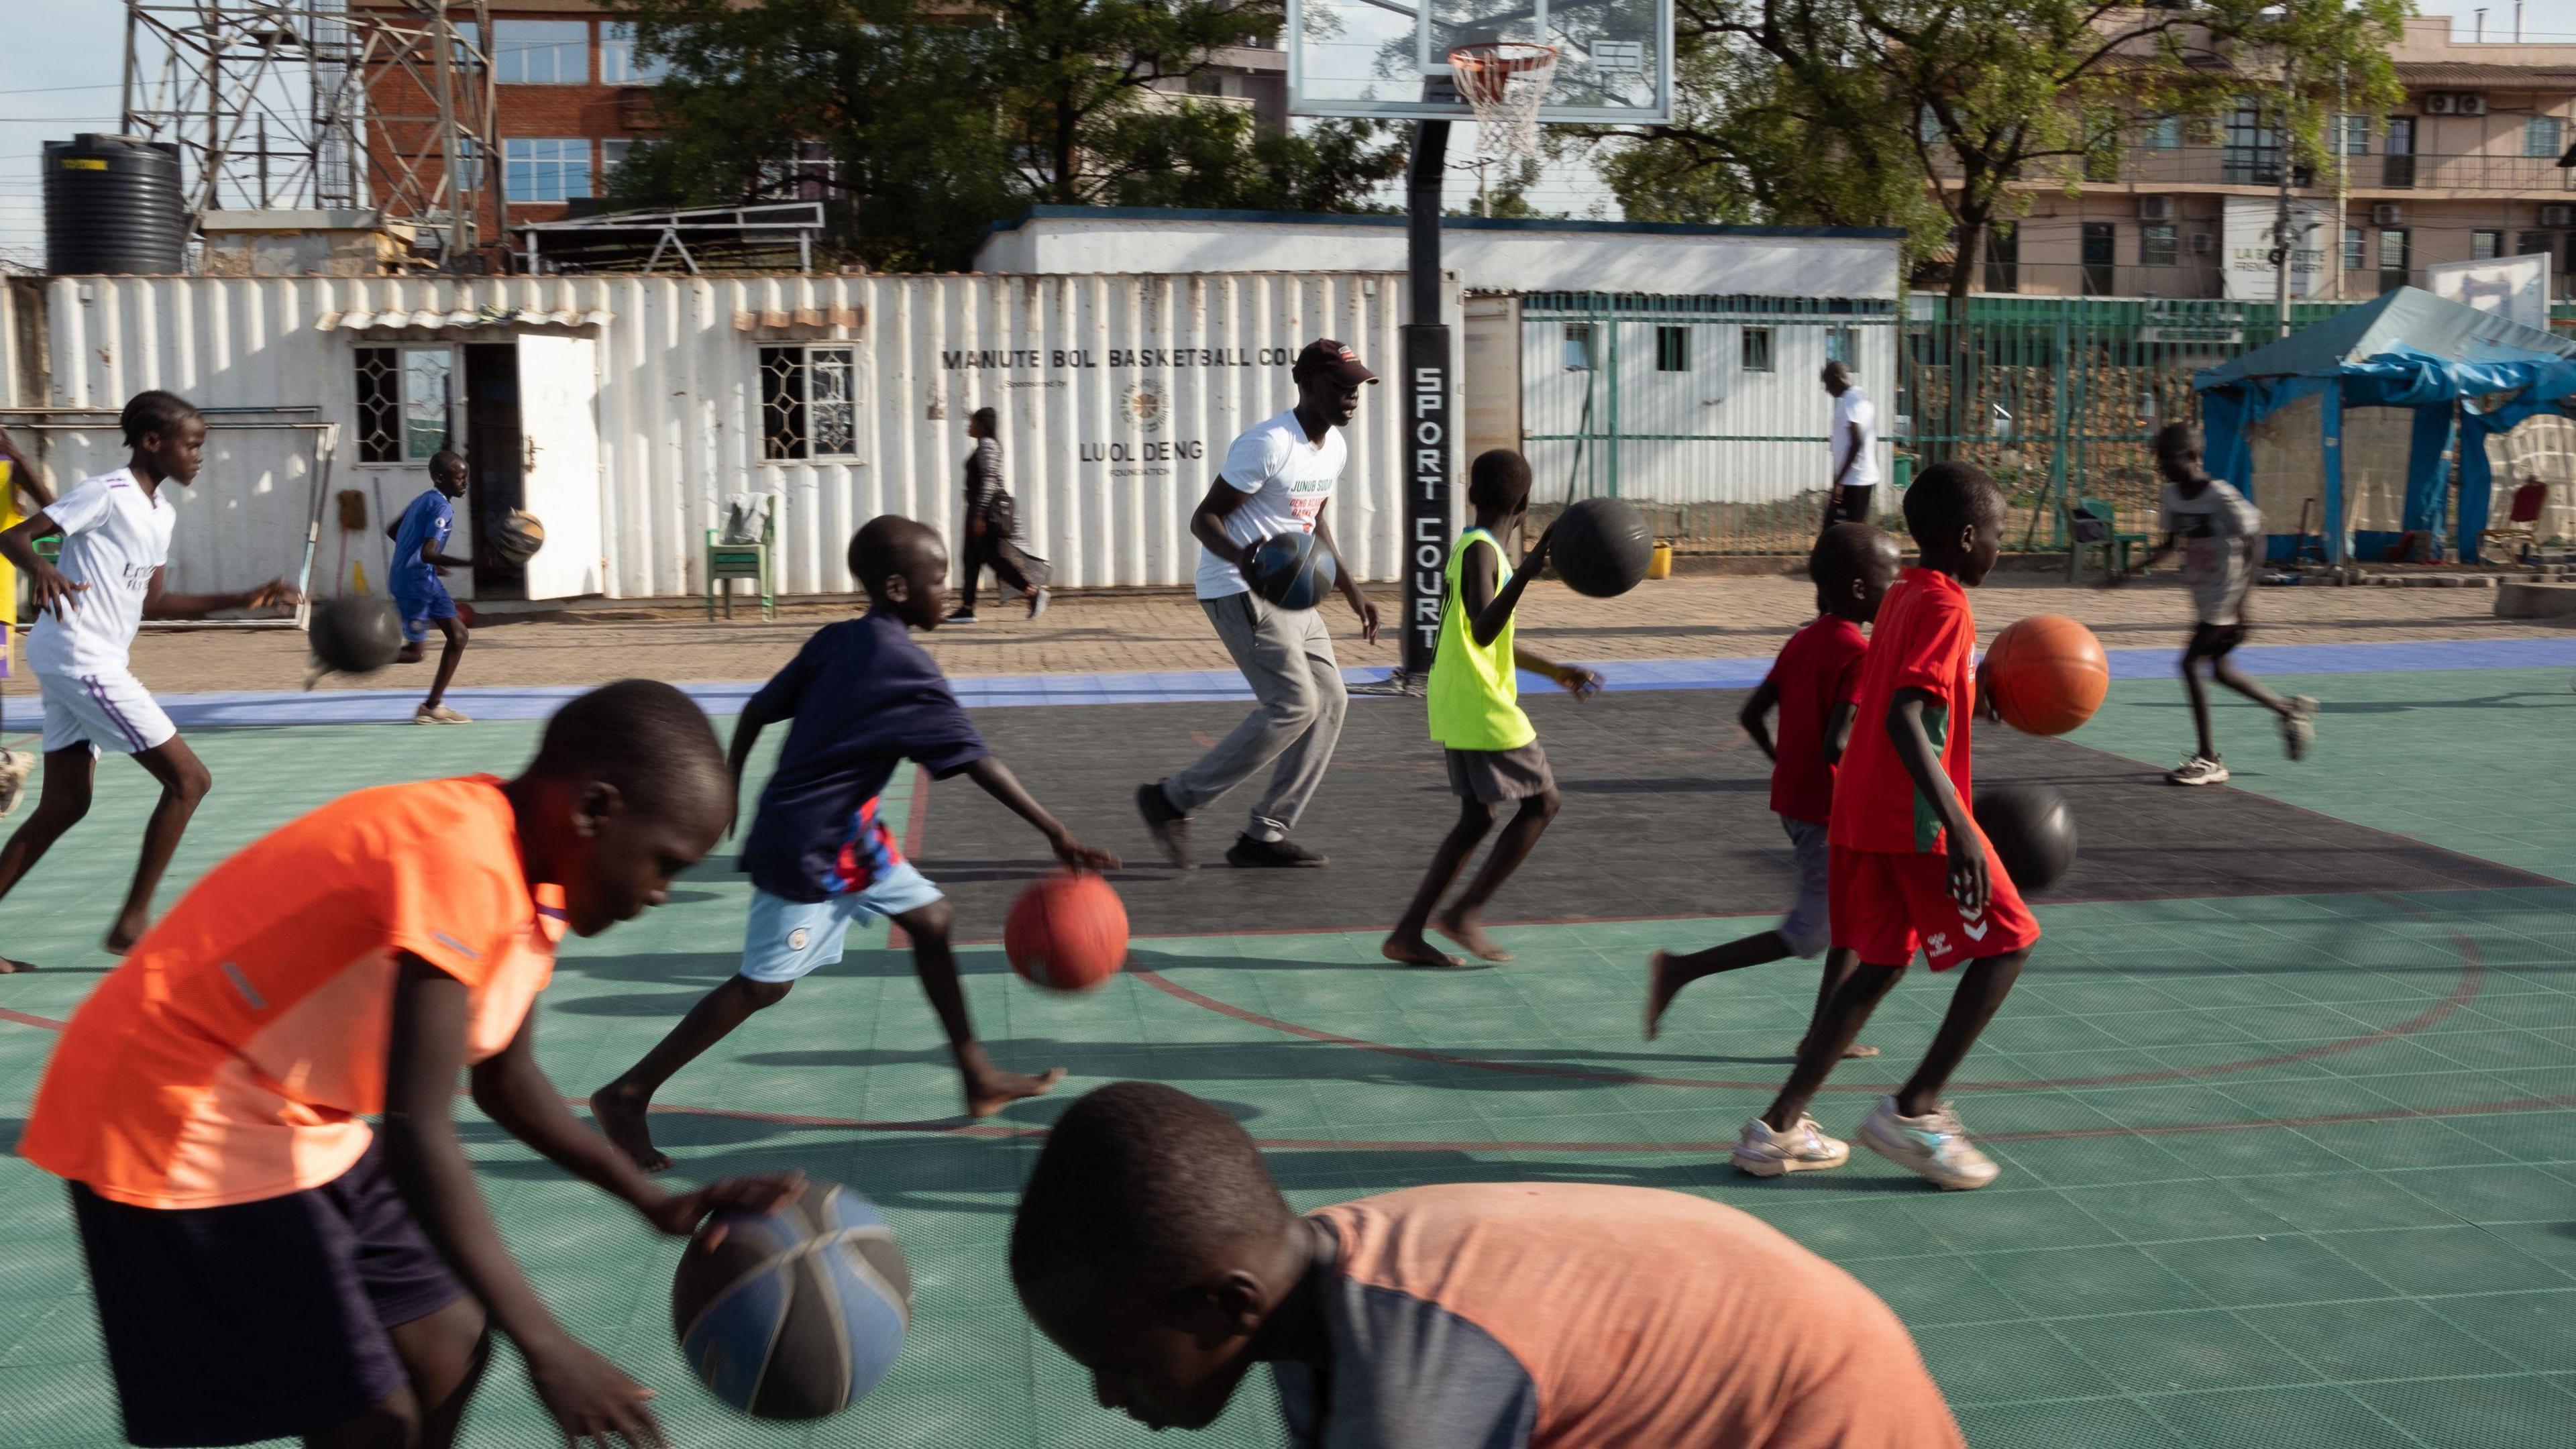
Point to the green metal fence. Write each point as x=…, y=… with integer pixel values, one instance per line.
x=1707, y=414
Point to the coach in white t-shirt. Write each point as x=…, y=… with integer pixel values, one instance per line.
x=1277, y=479
x=1852, y=449
x=89, y=603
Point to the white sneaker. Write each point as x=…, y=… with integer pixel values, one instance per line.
x=2299, y=726
x=433, y=714
x=1934, y=1145
x=2197, y=770
x=1803, y=1148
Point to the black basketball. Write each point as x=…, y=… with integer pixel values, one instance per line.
x=2032, y=831
x=516, y=537
x=1601, y=547
x=1292, y=570
x=796, y=1312
x=357, y=634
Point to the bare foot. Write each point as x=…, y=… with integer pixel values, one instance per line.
x=129, y=928
x=990, y=1090
x=620, y=1110
x=411, y=654
x=1407, y=948
x=1853, y=1053
x=1470, y=935
x=1660, y=988
x=12, y=968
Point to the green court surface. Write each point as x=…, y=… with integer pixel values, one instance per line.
x=2279, y=1170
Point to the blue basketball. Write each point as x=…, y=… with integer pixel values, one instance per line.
x=1292, y=570
x=798, y=1311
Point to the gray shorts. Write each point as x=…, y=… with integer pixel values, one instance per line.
x=1807, y=927
x=1495, y=776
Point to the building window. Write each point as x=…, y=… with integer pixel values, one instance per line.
x=2352, y=249
x=2100, y=241
x=1757, y=349
x=2535, y=244
x=2003, y=257
x=807, y=173
x=545, y=170
x=1206, y=83
x=2161, y=133
x=808, y=402
x=1578, y=347
x=406, y=400
x=2484, y=246
x=2540, y=137
x=2156, y=246
x=619, y=62
x=2392, y=250
x=541, y=52
x=1842, y=344
x=612, y=153
x=1672, y=349
x=2356, y=134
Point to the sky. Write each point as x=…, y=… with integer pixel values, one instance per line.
x=59, y=75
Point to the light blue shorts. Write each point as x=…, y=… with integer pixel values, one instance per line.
x=787, y=939
x=1805, y=927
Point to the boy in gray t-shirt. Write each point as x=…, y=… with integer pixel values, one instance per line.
x=2220, y=535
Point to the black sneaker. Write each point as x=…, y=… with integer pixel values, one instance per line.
x=1277, y=854
x=960, y=617
x=1169, y=827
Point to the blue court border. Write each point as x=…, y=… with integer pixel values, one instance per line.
x=251, y=709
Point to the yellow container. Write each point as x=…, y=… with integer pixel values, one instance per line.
x=1661, y=566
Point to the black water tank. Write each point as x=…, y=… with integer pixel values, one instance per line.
x=113, y=205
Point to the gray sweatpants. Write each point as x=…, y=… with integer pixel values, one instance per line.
x=1287, y=658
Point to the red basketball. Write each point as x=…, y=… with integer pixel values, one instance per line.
x=2047, y=674
x=1067, y=932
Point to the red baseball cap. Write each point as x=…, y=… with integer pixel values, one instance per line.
x=1333, y=359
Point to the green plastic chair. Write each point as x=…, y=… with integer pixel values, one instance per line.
x=2093, y=523
x=755, y=561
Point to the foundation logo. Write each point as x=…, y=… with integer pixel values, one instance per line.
x=1144, y=406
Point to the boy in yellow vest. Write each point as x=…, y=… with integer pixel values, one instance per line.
x=1494, y=756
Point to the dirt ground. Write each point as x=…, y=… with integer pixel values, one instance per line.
x=1685, y=617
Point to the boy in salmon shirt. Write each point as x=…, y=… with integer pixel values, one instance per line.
x=1910, y=870
x=1153, y=1246
x=1815, y=684
x=265, y=1265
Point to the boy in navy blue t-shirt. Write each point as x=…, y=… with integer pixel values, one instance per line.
x=864, y=697
x=420, y=551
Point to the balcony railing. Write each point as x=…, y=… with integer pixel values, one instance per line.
x=2151, y=168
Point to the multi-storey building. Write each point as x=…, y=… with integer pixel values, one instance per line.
x=2469, y=167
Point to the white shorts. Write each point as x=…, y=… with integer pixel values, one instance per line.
x=785, y=939
x=105, y=710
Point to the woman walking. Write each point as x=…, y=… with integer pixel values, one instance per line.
x=992, y=528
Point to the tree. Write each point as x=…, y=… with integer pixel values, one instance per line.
x=1843, y=109
x=937, y=121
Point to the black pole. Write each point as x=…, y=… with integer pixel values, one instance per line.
x=1427, y=396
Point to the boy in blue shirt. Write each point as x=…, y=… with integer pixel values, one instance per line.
x=420, y=541
x=864, y=698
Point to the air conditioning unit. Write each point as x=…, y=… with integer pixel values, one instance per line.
x=2473, y=105
x=2386, y=213
x=2202, y=244
x=2155, y=208
x=2559, y=215
x=2440, y=103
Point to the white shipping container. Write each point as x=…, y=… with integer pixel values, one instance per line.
x=1117, y=396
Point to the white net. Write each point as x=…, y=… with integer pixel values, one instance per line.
x=1504, y=83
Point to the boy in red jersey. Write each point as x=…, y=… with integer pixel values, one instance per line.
x=1910, y=870
x=1815, y=684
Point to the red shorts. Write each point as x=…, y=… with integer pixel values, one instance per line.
x=1886, y=906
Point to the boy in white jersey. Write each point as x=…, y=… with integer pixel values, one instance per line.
x=116, y=540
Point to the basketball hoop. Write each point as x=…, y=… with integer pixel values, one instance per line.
x=1504, y=83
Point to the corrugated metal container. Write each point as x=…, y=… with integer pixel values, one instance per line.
x=1117, y=395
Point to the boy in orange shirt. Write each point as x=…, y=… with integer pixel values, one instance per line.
x=1153, y=1246
x=1910, y=870
x=264, y=1265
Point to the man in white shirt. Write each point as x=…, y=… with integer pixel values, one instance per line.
x=1277, y=479
x=116, y=540
x=1852, y=449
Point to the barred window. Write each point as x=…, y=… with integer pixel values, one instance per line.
x=1578, y=347
x=808, y=402
x=406, y=401
x=1672, y=349
x=1757, y=349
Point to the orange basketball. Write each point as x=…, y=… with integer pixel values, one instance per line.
x=2047, y=674
x=1067, y=932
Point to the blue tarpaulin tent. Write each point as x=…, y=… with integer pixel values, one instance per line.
x=2455, y=366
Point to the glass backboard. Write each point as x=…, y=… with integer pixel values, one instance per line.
x=1390, y=58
